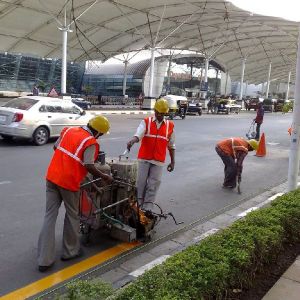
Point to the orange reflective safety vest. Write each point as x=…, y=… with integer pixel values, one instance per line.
x=230, y=146
x=155, y=141
x=66, y=168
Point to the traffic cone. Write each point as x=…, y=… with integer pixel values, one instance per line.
x=261, y=150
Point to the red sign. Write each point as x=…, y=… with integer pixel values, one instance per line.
x=52, y=93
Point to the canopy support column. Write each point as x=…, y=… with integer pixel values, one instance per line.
x=206, y=76
x=288, y=87
x=242, y=80
x=226, y=82
x=125, y=77
x=268, y=82
x=64, y=60
x=152, y=72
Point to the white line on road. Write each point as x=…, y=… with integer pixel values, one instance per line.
x=5, y=182
x=149, y=266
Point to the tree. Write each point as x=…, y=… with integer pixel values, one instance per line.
x=87, y=89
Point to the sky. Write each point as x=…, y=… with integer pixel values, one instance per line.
x=286, y=9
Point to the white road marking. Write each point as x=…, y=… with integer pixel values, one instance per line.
x=273, y=144
x=5, y=182
x=246, y=212
x=149, y=266
x=205, y=234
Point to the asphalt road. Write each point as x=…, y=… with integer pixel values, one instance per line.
x=192, y=191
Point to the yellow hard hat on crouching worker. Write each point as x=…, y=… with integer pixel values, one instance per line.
x=161, y=106
x=253, y=143
x=100, y=124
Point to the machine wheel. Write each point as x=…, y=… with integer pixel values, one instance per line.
x=182, y=117
x=40, y=136
x=200, y=112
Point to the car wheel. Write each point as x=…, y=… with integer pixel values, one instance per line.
x=7, y=137
x=40, y=136
x=200, y=112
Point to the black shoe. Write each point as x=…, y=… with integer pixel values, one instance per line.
x=45, y=268
x=79, y=254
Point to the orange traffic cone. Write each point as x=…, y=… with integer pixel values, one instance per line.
x=261, y=150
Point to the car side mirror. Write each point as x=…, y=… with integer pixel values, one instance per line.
x=83, y=113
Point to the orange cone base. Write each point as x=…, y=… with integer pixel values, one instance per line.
x=261, y=150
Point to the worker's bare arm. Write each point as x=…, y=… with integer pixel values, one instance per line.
x=95, y=172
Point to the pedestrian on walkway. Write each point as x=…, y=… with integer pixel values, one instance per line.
x=35, y=90
x=74, y=155
x=156, y=135
x=259, y=119
x=232, y=152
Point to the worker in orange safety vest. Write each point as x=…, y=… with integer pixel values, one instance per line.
x=232, y=151
x=75, y=152
x=156, y=135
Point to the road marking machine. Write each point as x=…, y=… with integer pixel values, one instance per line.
x=114, y=207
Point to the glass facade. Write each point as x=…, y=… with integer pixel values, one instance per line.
x=20, y=73
x=112, y=85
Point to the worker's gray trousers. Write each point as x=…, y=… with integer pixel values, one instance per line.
x=230, y=169
x=148, y=182
x=71, y=243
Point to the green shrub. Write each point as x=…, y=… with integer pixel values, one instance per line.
x=94, y=289
x=225, y=261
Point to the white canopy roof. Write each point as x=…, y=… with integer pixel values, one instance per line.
x=214, y=28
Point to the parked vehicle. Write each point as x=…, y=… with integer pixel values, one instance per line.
x=268, y=105
x=251, y=103
x=39, y=118
x=194, y=107
x=178, y=106
x=84, y=104
x=278, y=105
x=227, y=106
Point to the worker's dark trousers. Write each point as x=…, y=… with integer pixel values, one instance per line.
x=257, y=131
x=230, y=169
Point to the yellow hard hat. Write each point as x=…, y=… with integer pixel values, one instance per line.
x=253, y=143
x=162, y=106
x=100, y=124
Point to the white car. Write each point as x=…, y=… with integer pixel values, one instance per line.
x=39, y=118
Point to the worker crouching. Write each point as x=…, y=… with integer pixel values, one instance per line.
x=232, y=152
x=156, y=135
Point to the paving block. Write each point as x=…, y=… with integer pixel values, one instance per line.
x=113, y=275
x=293, y=272
x=204, y=227
x=185, y=237
x=284, y=289
x=167, y=247
x=224, y=220
x=137, y=262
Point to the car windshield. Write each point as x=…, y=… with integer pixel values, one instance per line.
x=21, y=103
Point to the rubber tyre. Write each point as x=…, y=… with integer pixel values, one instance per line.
x=200, y=113
x=40, y=136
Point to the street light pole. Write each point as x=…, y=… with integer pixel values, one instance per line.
x=295, y=146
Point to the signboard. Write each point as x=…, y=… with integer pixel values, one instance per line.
x=52, y=93
x=204, y=86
